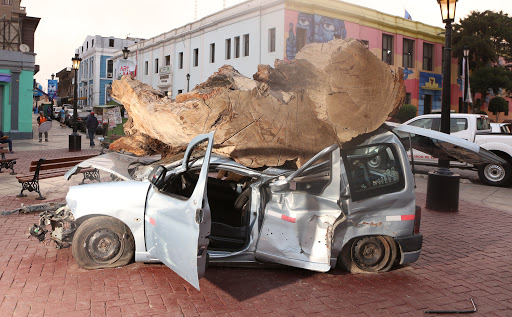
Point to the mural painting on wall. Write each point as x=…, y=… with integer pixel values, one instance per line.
x=305, y=28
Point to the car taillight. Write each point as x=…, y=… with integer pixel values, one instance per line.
x=417, y=220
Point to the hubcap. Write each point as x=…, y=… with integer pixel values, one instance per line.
x=370, y=253
x=494, y=172
x=104, y=246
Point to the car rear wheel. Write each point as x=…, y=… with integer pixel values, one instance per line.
x=368, y=254
x=102, y=242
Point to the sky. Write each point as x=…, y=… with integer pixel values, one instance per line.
x=65, y=24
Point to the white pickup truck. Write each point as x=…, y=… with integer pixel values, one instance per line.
x=475, y=128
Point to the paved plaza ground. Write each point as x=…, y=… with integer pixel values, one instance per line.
x=465, y=255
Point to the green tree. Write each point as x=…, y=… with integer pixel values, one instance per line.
x=497, y=105
x=488, y=35
x=485, y=78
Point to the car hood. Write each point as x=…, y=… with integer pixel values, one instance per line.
x=112, y=198
x=114, y=163
x=444, y=146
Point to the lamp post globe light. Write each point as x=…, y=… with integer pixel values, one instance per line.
x=443, y=185
x=53, y=76
x=188, y=82
x=75, y=139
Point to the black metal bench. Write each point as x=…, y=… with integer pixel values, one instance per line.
x=7, y=163
x=49, y=168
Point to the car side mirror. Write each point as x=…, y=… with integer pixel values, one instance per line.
x=158, y=176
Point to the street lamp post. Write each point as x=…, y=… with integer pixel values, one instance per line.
x=188, y=82
x=466, y=79
x=75, y=139
x=443, y=185
x=53, y=76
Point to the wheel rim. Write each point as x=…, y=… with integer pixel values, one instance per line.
x=104, y=246
x=494, y=172
x=370, y=253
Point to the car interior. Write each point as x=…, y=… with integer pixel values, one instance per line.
x=229, y=197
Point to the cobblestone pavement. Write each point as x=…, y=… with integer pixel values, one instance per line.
x=464, y=256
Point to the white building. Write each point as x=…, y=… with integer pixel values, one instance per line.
x=238, y=36
x=95, y=74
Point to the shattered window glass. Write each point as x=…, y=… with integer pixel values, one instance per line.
x=373, y=170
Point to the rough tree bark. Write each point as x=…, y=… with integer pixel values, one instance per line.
x=329, y=94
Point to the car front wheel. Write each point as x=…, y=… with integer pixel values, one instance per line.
x=369, y=254
x=102, y=242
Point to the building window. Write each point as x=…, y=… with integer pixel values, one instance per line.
x=167, y=60
x=408, y=56
x=228, y=49
x=212, y=53
x=86, y=46
x=180, y=91
x=196, y=57
x=272, y=40
x=428, y=54
x=237, y=46
x=92, y=43
x=146, y=66
x=156, y=65
x=111, y=43
x=246, y=44
x=7, y=2
x=110, y=68
x=180, y=60
x=387, y=49
x=302, y=36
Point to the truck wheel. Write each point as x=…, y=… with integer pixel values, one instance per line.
x=495, y=174
x=102, y=242
x=369, y=254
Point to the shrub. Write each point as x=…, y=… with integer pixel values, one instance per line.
x=406, y=112
x=497, y=105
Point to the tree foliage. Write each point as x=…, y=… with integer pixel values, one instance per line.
x=488, y=35
x=497, y=105
x=484, y=78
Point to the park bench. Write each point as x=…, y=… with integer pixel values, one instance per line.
x=49, y=168
x=7, y=163
x=105, y=144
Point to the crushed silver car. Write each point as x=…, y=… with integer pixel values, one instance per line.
x=353, y=207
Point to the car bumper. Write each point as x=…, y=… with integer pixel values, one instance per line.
x=410, y=247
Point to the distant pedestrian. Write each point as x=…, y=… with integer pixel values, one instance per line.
x=62, y=117
x=40, y=120
x=92, y=124
x=5, y=139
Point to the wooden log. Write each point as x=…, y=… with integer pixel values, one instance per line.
x=329, y=94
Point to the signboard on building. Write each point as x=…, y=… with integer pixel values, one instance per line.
x=125, y=67
x=52, y=88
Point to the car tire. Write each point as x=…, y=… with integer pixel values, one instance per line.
x=368, y=254
x=102, y=242
x=495, y=174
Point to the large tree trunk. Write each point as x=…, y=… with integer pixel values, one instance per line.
x=329, y=94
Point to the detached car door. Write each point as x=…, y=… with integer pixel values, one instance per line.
x=444, y=146
x=176, y=226
x=299, y=219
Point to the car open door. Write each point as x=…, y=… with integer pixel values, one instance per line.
x=299, y=219
x=177, y=227
x=444, y=146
